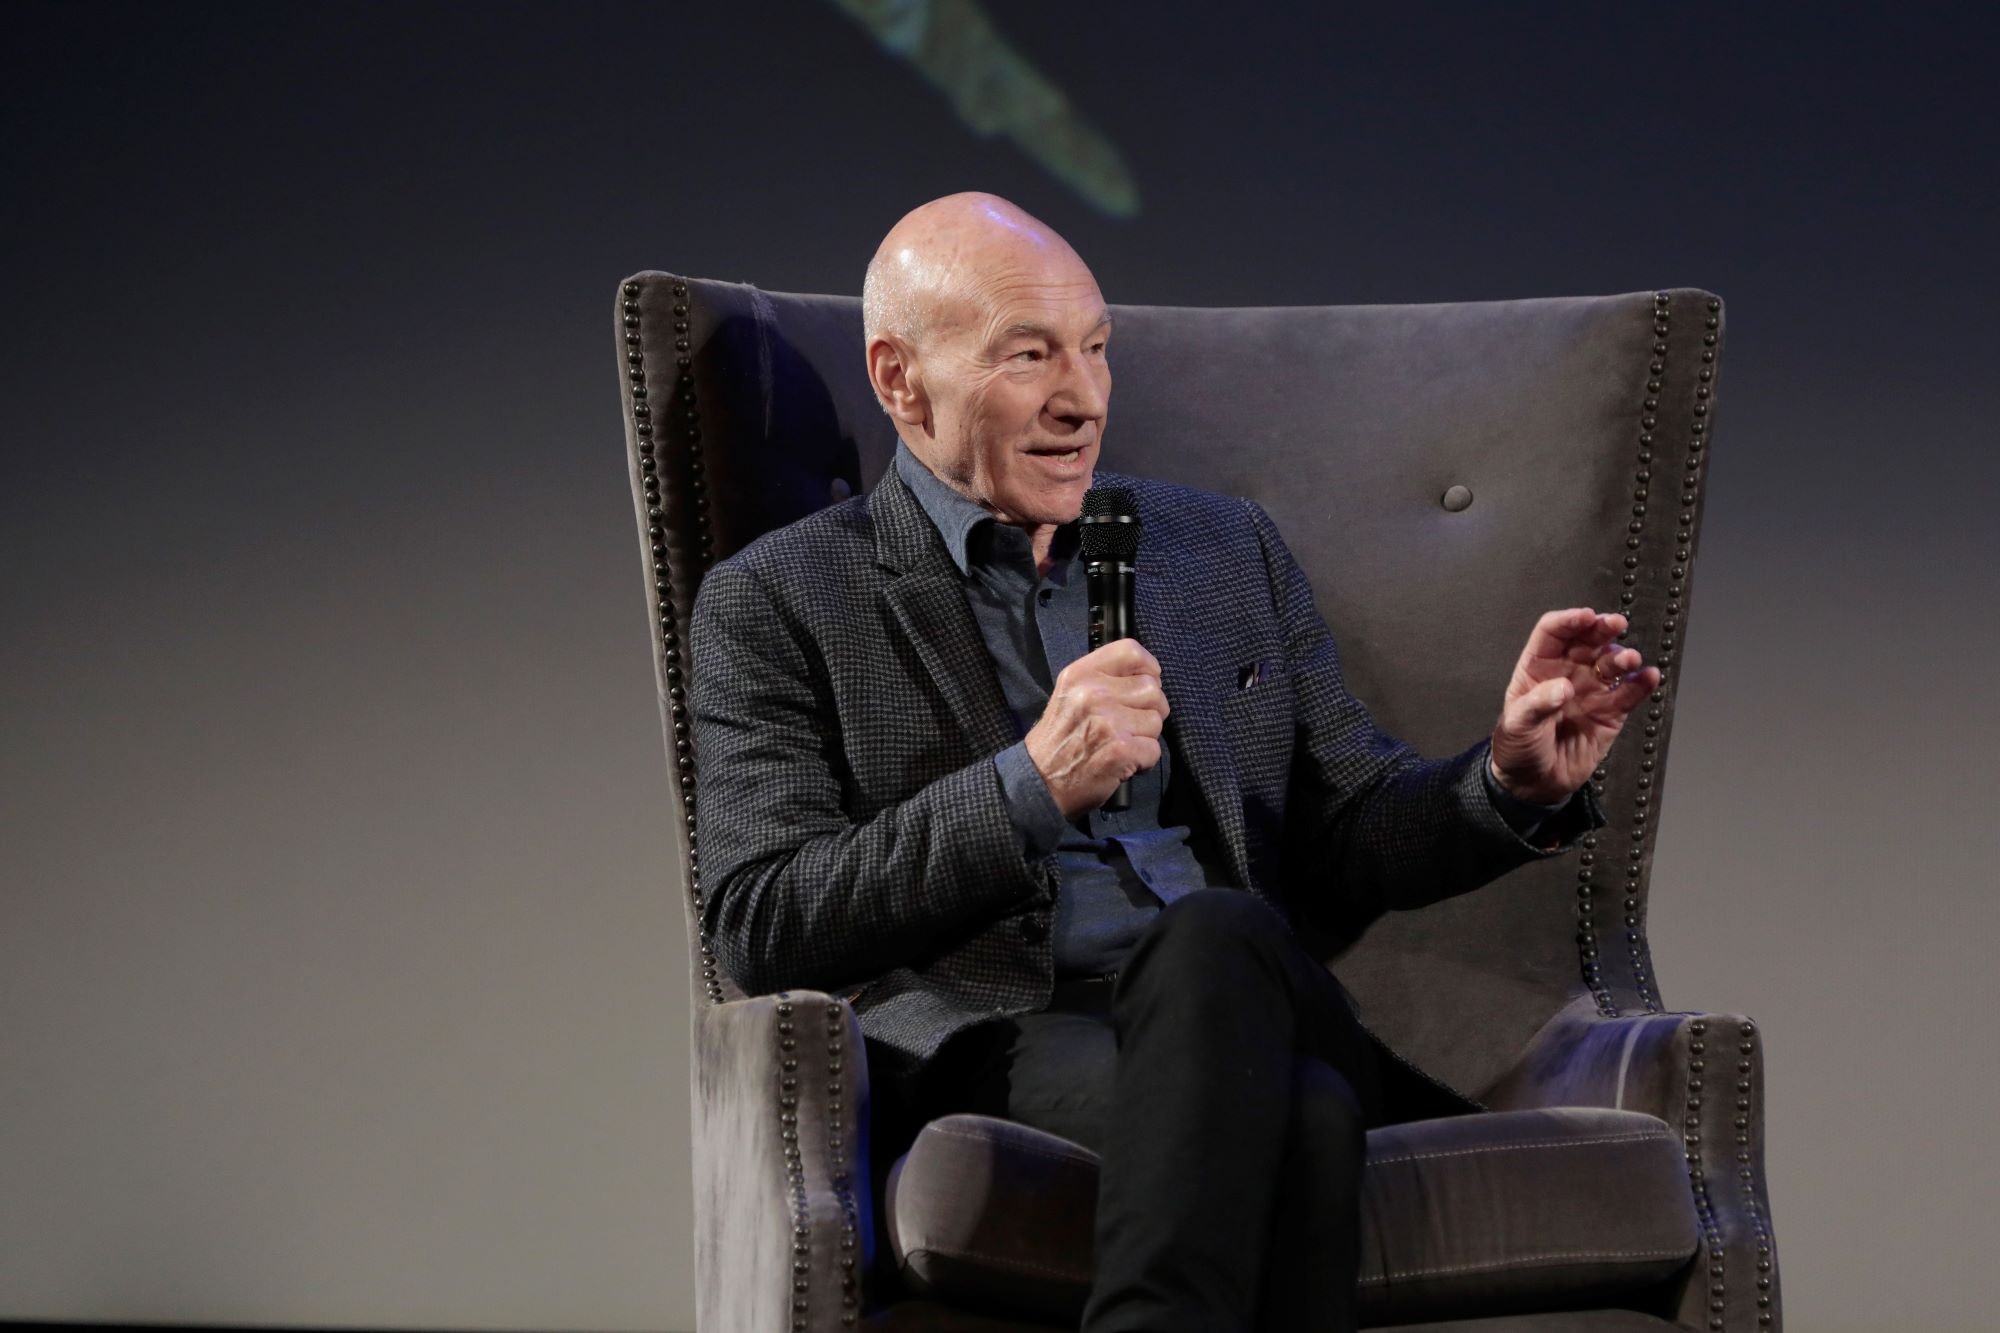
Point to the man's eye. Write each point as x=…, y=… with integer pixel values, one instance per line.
x=1028, y=354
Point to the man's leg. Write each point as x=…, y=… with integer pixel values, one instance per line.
x=1212, y=1012
x=1051, y=1070
x=1314, y=1251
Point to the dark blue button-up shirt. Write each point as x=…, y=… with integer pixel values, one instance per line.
x=1117, y=870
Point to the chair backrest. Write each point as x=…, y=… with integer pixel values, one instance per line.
x=1444, y=473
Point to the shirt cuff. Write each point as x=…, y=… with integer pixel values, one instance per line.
x=1034, y=812
x=1524, y=817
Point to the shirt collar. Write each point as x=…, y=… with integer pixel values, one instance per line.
x=958, y=519
x=952, y=514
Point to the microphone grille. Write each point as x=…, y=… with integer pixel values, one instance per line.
x=1099, y=501
x=1110, y=524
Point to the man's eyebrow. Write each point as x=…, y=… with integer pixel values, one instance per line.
x=1032, y=329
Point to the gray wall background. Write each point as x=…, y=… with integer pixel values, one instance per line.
x=341, y=977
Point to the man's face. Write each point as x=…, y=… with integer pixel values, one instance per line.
x=1019, y=385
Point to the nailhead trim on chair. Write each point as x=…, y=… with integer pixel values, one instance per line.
x=1587, y=940
x=1586, y=929
x=1746, y=1173
x=837, y=1165
x=1746, y=1170
x=1586, y=926
x=1711, y=1231
x=650, y=464
x=1670, y=622
x=1635, y=934
x=795, y=1170
x=1637, y=953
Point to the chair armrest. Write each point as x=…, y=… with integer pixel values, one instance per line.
x=783, y=1224
x=1704, y=1075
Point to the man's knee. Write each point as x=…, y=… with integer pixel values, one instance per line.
x=1206, y=928
x=1210, y=914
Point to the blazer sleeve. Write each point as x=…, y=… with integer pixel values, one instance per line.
x=795, y=894
x=1398, y=830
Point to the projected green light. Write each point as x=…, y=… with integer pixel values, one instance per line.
x=996, y=91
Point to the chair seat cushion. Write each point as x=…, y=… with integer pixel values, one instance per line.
x=1472, y=1215
x=920, y=1316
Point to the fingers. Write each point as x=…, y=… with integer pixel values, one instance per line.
x=1576, y=633
x=1134, y=754
x=1634, y=686
x=1108, y=717
x=1111, y=709
x=1624, y=676
x=1611, y=661
x=1122, y=672
x=1536, y=706
x=1139, y=693
x=1120, y=657
x=1557, y=630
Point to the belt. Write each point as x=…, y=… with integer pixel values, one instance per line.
x=1090, y=995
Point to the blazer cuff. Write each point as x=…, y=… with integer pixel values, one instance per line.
x=1033, y=811
x=1543, y=830
x=1523, y=816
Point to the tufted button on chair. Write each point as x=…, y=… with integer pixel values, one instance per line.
x=1444, y=473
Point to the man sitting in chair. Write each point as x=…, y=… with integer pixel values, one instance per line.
x=906, y=749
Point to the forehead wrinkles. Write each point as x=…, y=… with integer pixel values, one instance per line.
x=1067, y=303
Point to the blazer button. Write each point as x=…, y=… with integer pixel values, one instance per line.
x=1033, y=929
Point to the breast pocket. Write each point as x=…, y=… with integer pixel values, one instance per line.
x=1256, y=708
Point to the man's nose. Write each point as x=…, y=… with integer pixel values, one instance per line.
x=1082, y=394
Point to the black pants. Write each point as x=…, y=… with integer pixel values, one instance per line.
x=1228, y=1089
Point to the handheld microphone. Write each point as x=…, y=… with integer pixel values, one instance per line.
x=1109, y=535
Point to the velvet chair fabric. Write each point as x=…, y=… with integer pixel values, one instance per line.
x=1444, y=473
x=999, y=1216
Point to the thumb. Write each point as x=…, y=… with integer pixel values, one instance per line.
x=1538, y=705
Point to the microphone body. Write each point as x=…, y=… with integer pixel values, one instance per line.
x=1110, y=540
x=1111, y=619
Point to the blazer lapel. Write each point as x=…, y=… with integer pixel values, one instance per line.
x=926, y=598
x=1188, y=671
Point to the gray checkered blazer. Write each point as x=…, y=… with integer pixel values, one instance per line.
x=853, y=834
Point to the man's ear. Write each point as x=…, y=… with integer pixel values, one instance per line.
x=898, y=382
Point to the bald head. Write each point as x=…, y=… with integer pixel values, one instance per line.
x=932, y=262
x=985, y=344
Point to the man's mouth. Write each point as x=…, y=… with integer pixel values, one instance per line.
x=1059, y=455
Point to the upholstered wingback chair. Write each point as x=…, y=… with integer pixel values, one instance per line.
x=1444, y=473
